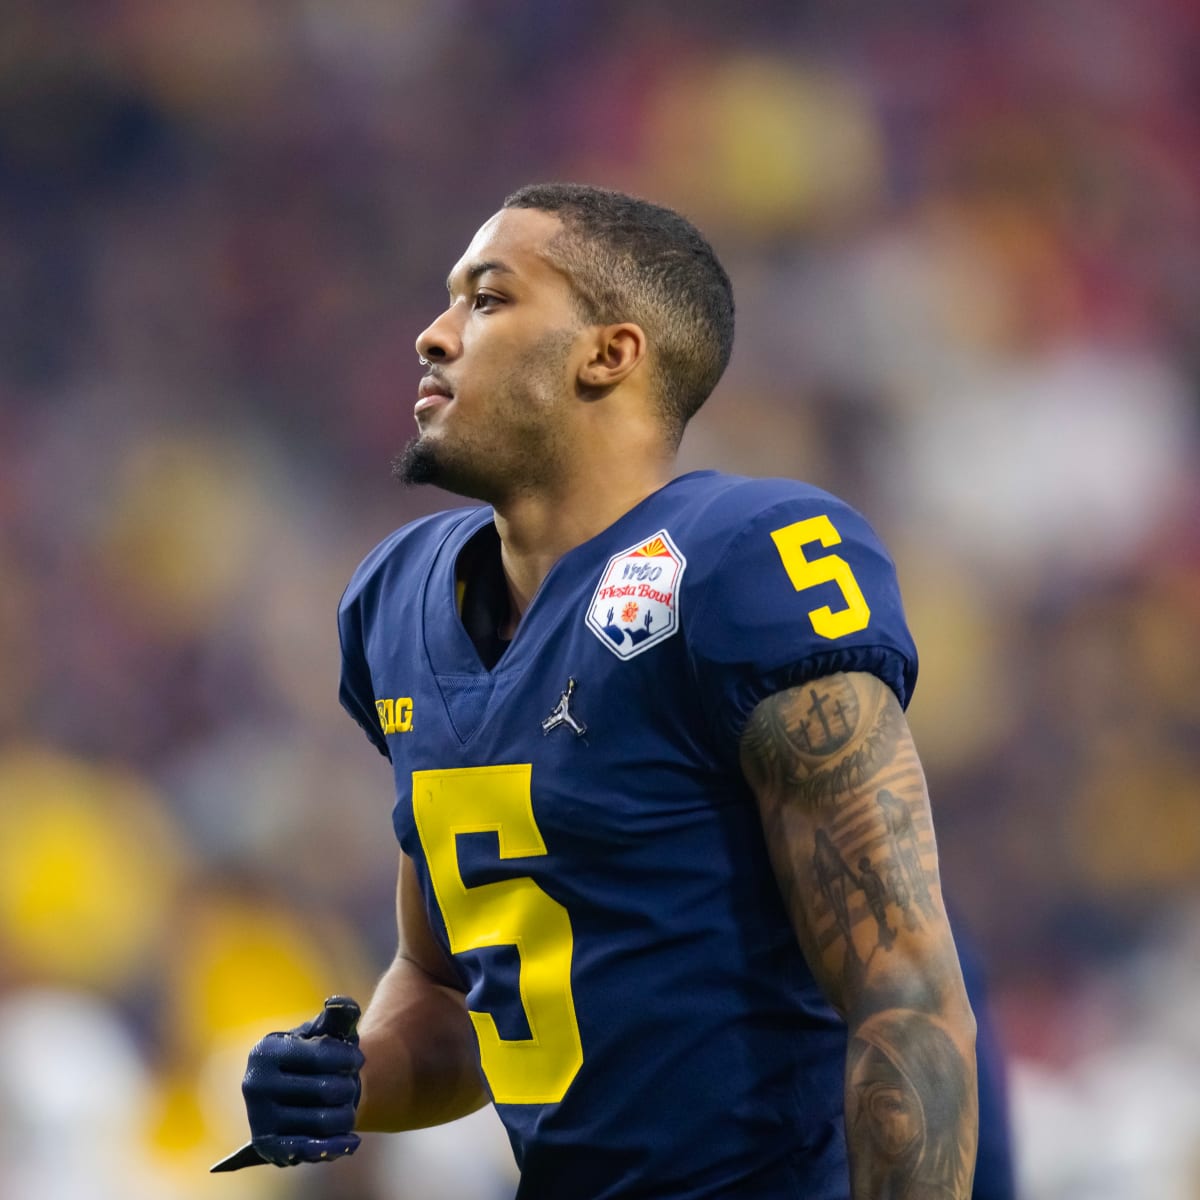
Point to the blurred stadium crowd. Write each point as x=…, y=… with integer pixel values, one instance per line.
x=965, y=239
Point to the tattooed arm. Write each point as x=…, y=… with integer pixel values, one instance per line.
x=846, y=816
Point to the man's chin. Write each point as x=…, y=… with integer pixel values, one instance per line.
x=424, y=462
x=417, y=463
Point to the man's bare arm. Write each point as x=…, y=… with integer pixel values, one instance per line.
x=421, y=1055
x=846, y=816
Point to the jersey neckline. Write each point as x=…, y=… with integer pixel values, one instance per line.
x=455, y=655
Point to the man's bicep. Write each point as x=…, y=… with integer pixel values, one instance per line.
x=846, y=818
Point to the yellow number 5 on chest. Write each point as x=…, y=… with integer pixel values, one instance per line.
x=463, y=800
x=830, y=568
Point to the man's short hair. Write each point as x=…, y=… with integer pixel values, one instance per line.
x=630, y=260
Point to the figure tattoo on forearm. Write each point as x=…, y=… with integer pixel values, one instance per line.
x=907, y=1088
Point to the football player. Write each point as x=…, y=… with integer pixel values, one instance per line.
x=668, y=888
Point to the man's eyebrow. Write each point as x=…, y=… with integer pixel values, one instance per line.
x=475, y=270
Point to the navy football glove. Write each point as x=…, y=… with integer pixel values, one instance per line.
x=301, y=1088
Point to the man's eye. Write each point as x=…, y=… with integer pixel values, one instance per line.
x=485, y=300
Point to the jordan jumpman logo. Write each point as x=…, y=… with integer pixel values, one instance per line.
x=562, y=713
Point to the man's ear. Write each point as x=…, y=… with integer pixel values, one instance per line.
x=614, y=354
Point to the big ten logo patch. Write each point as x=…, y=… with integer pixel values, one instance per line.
x=636, y=603
x=395, y=716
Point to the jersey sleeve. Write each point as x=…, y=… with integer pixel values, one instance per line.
x=804, y=589
x=355, y=690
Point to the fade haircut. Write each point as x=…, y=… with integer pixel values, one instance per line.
x=630, y=260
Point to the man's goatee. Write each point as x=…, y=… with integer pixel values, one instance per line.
x=416, y=463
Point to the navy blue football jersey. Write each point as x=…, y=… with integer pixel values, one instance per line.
x=589, y=853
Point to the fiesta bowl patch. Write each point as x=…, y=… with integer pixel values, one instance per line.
x=636, y=603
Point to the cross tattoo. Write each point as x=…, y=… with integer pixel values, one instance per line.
x=818, y=708
x=841, y=712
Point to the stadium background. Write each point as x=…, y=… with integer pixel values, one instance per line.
x=966, y=244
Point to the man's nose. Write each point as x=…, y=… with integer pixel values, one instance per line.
x=440, y=341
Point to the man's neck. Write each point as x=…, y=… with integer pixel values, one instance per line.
x=537, y=530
